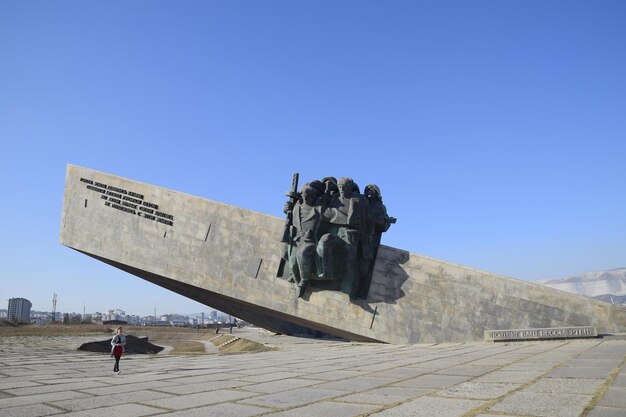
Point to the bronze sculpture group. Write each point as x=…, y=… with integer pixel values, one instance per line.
x=332, y=233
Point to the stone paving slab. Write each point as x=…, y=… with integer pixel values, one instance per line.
x=198, y=379
x=565, y=386
x=492, y=361
x=201, y=387
x=620, y=381
x=326, y=409
x=265, y=377
x=432, y=381
x=595, y=363
x=253, y=373
x=615, y=397
x=296, y=397
x=375, y=367
x=39, y=398
x=579, y=372
x=466, y=370
x=530, y=366
x=384, y=395
x=17, y=384
x=219, y=410
x=107, y=400
x=515, y=377
x=600, y=411
x=117, y=389
x=430, y=407
x=543, y=405
x=43, y=389
x=180, y=402
x=333, y=375
x=492, y=415
x=31, y=410
x=403, y=372
x=126, y=410
x=478, y=390
x=282, y=385
x=307, y=377
x=356, y=384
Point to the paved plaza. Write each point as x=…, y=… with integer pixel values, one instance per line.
x=306, y=377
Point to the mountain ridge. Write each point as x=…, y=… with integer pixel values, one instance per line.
x=606, y=283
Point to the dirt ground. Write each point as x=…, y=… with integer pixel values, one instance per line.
x=177, y=340
x=240, y=345
x=57, y=329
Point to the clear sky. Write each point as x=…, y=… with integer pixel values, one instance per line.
x=496, y=130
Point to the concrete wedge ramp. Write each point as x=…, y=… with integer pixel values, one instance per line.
x=229, y=258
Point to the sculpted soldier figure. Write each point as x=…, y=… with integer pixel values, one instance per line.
x=338, y=249
x=382, y=221
x=380, y=224
x=305, y=235
x=333, y=233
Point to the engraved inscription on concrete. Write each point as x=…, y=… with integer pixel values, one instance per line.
x=128, y=202
x=549, y=333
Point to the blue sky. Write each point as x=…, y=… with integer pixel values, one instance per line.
x=495, y=130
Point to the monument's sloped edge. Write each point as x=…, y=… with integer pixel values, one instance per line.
x=181, y=193
x=535, y=284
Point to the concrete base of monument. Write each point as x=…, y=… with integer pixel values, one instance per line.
x=229, y=258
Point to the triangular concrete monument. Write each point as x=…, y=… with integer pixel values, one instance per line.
x=229, y=258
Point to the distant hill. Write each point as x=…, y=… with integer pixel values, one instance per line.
x=597, y=284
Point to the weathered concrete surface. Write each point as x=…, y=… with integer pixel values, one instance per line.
x=41, y=376
x=228, y=257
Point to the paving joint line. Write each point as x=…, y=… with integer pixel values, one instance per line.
x=392, y=405
x=482, y=409
x=603, y=388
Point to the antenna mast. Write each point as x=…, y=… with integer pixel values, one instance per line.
x=54, y=307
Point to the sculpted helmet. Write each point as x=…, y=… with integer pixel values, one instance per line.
x=374, y=191
x=318, y=185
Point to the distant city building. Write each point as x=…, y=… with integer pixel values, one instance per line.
x=19, y=310
x=114, y=315
x=40, y=316
x=174, y=319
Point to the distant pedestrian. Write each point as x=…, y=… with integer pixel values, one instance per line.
x=117, y=348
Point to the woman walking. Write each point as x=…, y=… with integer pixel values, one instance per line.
x=117, y=348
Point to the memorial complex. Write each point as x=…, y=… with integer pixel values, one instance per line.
x=320, y=270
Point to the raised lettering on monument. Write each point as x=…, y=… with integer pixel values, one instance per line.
x=128, y=202
x=547, y=333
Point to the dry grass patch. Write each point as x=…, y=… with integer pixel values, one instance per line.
x=184, y=341
x=187, y=347
x=56, y=329
x=240, y=345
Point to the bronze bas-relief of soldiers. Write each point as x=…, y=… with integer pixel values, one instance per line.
x=333, y=233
